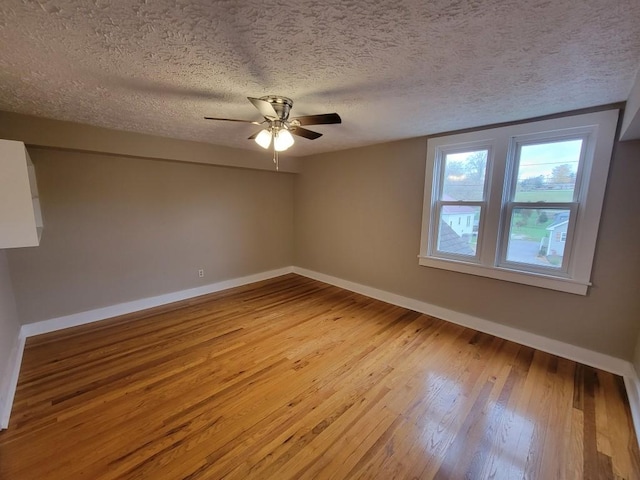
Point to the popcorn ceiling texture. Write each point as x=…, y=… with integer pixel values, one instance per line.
x=391, y=69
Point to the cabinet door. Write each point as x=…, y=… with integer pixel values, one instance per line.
x=20, y=216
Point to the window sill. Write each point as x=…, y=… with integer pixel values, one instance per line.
x=499, y=273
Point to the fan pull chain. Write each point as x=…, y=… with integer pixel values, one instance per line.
x=276, y=159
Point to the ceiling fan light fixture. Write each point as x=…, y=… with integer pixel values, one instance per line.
x=279, y=127
x=264, y=139
x=282, y=140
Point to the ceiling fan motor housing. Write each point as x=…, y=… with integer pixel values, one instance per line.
x=282, y=105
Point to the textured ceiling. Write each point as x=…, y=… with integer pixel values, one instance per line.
x=391, y=69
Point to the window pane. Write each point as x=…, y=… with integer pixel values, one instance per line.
x=547, y=171
x=537, y=236
x=458, y=232
x=464, y=175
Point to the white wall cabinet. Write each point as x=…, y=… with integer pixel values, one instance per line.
x=20, y=215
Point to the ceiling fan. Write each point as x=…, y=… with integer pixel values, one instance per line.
x=279, y=127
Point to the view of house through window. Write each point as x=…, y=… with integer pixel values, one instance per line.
x=535, y=236
x=458, y=237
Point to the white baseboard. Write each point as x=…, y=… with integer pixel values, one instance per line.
x=10, y=381
x=82, y=318
x=555, y=347
x=632, y=384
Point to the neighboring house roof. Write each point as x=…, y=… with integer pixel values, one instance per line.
x=451, y=242
x=555, y=225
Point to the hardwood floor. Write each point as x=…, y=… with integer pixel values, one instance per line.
x=294, y=379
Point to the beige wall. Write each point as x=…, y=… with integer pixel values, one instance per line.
x=119, y=229
x=358, y=217
x=9, y=325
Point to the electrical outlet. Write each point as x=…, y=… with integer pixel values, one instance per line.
x=201, y=273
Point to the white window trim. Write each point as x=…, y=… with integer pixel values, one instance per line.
x=576, y=276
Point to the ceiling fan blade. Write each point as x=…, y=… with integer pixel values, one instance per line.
x=303, y=132
x=322, y=119
x=253, y=137
x=232, y=120
x=265, y=108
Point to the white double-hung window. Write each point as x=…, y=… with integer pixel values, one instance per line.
x=520, y=203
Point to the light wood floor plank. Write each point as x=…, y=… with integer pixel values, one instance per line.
x=295, y=379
